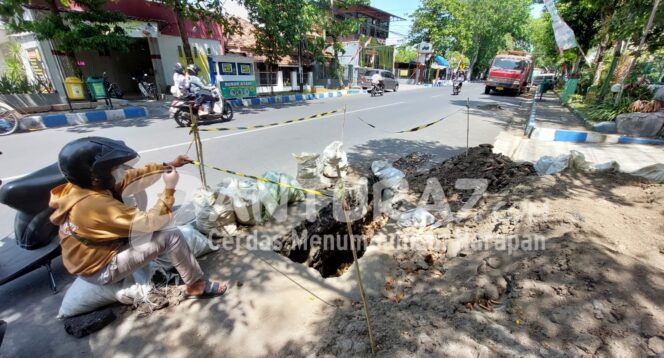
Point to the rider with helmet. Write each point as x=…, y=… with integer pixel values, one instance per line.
x=196, y=87
x=178, y=81
x=99, y=232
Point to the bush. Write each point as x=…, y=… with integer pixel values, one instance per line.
x=20, y=85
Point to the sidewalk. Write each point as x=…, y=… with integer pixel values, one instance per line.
x=552, y=116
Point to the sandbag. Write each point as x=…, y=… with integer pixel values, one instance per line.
x=214, y=211
x=391, y=177
x=653, y=172
x=332, y=156
x=417, y=217
x=307, y=165
x=246, y=203
x=575, y=160
x=271, y=194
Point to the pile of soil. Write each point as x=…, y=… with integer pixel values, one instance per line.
x=480, y=163
x=583, y=278
x=413, y=162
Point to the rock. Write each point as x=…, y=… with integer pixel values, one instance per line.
x=656, y=344
x=493, y=262
x=588, y=343
x=345, y=345
x=640, y=124
x=421, y=264
x=83, y=325
x=605, y=127
x=453, y=248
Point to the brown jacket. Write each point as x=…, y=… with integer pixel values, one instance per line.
x=95, y=215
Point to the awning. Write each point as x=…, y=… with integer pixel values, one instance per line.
x=441, y=61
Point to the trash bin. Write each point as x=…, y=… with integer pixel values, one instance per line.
x=96, y=87
x=74, y=87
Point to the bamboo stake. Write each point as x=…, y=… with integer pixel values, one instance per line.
x=363, y=294
x=199, y=147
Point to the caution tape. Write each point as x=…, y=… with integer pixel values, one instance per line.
x=261, y=179
x=319, y=115
x=415, y=129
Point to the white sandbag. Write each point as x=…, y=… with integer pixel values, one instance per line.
x=83, y=297
x=307, y=165
x=332, y=156
x=417, y=217
x=548, y=165
x=653, y=172
x=577, y=161
x=247, y=203
x=214, y=212
x=611, y=166
x=389, y=175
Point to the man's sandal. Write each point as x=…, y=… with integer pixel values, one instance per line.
x=212, y=289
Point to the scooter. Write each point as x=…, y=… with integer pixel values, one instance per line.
x=456, y=87
x=182, y=108
x=376, y=89
x=113, y=89
x=147, y=88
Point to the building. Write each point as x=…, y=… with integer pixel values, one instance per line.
x=156, y=49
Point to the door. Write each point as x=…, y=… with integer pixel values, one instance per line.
x=389, y=80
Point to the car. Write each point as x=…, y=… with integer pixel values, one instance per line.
x=389, y=80
x=538, y=78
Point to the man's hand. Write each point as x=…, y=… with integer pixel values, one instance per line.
x=171, y=178
x=181, y=160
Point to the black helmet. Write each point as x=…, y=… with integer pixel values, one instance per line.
x=178, y=68
x=193, y=69
x=85, y=159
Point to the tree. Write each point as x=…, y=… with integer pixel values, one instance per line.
x=207, y=11
x=405, y=54
x=70, y=31
x=474, y=27
x=545, y=49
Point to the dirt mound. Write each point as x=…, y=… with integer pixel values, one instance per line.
x=480, y=163
x=413, y=162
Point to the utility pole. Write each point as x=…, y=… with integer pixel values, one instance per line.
x=646, y=30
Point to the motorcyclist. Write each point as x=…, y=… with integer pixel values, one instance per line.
x=177, y=89
x=98, y=231
x=202, y=92
x=377, y=80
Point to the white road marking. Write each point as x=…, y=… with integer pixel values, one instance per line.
x=232, y=134
x=439, y=95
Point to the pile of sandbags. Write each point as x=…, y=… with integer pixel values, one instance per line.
x=316, y=171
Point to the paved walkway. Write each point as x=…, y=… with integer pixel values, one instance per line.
x=551, y=114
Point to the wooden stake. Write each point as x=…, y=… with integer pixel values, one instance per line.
x=363, y=294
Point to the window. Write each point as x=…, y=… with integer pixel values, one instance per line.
x=509, y=64
x=264, y=77
x=245, y=68
x=227, y=68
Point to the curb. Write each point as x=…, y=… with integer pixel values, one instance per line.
x=558, y=135
x=30, y=123
x=292, y=98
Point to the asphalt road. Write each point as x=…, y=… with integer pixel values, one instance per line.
x=255, y=151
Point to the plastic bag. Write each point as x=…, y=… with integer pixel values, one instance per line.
x=247, y=203
x=417, y=217
x=307, y=165
x=611, y=166
x=653, y=172
x=577, y=161
x=548, y=165
x=332, y=156
x=391, y=176
x=214, y=211
x=272, y=195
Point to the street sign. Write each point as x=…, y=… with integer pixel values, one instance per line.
x=425, y=47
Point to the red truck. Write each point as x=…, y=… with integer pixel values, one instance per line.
x=510, y=71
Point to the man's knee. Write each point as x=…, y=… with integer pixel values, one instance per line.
x=168, y=238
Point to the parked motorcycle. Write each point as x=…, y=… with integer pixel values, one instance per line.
x=147, y=87
x=456, y=87
x=376, y=89
x=182, y=108
x=113, y=89
x=9, y=119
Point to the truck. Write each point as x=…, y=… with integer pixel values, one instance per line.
x=509, y=71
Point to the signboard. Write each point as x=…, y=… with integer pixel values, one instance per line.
x=238, y=89
x=246, y=68
x=563, y=33
x=425, y=47
x=139, y=28
x=36, y=64
x=227, y=68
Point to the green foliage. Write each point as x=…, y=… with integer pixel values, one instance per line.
x=476, y=27
x=90, y=29
x=14, y=65
x=405, y=54
x=11, y=85
x=544, y=45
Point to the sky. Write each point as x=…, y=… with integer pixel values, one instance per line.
x=403, y=8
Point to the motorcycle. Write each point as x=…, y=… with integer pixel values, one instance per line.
x=113, y=89
x=376, y=89
x=148, y=89
x=456, y=87
x=181, y=110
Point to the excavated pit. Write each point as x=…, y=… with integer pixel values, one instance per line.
x=324, y=244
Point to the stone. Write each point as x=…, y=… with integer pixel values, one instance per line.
x=345, y=345
x=656, y=344
x=86, y=324
x=640, y=124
